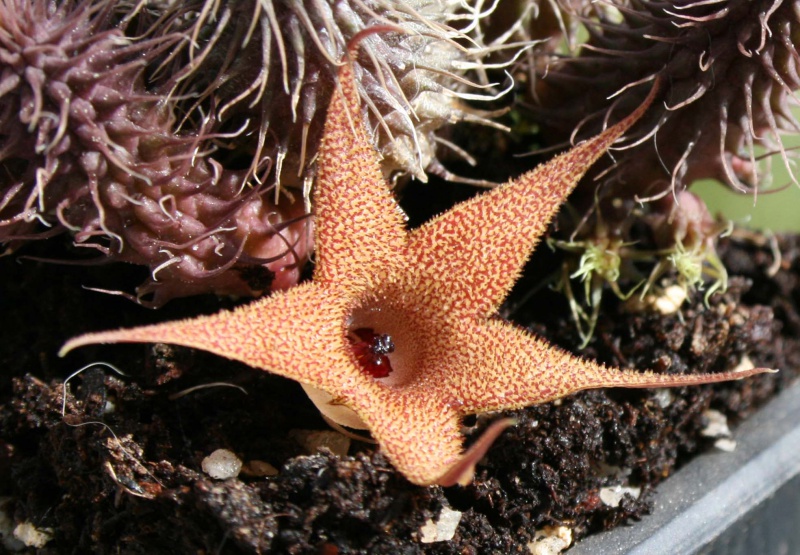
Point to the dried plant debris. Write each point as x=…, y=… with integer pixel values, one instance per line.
x=135, y=483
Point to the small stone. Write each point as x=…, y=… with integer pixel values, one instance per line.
x=671, y=300
x=717, y=424
x=550, y=540
x=222, y=464
x=725, y=444
x=443, y=529
x=668, y=302
x=32, y=536
x=663, y=397
x=744, y=364
x=612, y=496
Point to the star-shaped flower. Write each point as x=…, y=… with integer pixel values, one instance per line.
x=398, y=331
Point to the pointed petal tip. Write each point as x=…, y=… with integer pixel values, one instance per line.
x=767, y=370
x=129, y=335
x=742, y=374
x=84, y=340
x=648, y=379
x=463, y=471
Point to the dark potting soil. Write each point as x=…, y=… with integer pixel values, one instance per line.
x=120, y=472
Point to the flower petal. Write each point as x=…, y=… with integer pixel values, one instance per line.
x=497, y=365
x=299, y=334
x=359, y=226
x=471, y=255
x=419, y=432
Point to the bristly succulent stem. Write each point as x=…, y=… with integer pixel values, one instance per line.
x=183, y=135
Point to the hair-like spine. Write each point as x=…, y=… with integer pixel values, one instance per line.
x=183, y=135
x=729, y=71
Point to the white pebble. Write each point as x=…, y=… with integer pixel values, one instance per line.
x=725, y=444
x=662, y=397
x=671, y=300
x=32, y=536
x=744, y=364
x=550, y=540
x=443, y=529
x=221, y=465
x=717, y=424
x=612, y=496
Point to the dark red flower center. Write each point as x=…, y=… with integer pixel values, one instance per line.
x=372, y=350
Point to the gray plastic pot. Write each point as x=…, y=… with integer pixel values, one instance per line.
x=743, y=502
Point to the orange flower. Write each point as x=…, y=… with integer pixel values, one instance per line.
x=398, y=331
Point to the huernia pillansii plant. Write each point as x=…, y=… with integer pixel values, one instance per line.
x=183, y=136
x=398, y=332
x=729, y=71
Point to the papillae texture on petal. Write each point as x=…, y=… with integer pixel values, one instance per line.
x=299, y=334
x=359, y=227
